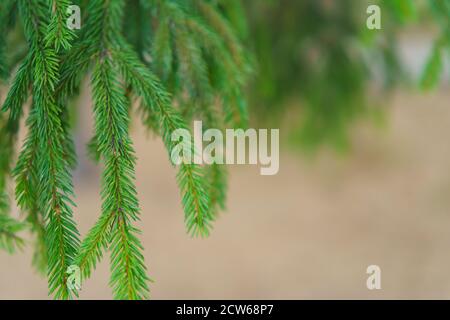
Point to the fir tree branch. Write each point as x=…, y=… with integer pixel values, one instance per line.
x=216, y=174
x=8, y=135
x=190, y=177
x=120, y=205
x=69, y=153
x=162, y=51
x=230, y=73
x=128, y=272
x=59, y=36
x=74, y=65
x=93, y=245
x=192, y=70
x=19, y=91
x=193, y=59
x=223, y=28
x=55, y=183
x=210, y=59
x=9, y=240
x=26, y=178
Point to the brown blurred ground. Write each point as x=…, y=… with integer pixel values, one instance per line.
x=308, y=232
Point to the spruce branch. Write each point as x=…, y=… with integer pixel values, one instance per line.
x=19, y=91
x=220, y=24
x=162, y=51
x=26, y=177
x=120, y=206
x=216, y=174
x=54, y=178
x=218, y=181
x=9, y=240
x=209, y=58
x=156, y=101
x=128, y=272
x=93, y=245
x=58, y=35
x=9, y=126
x=197, y=65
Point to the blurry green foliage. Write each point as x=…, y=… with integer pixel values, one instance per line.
x=316, y=60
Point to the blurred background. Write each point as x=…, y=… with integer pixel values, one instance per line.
x=364, y=117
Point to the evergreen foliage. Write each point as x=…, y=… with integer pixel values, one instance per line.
x=173, y=58
x=320, y=53
x=172, y=61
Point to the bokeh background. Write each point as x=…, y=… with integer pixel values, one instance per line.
x=363, y=175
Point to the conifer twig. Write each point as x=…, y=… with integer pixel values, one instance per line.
x=120, y=205
x=190, y=177
x=46, y=138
